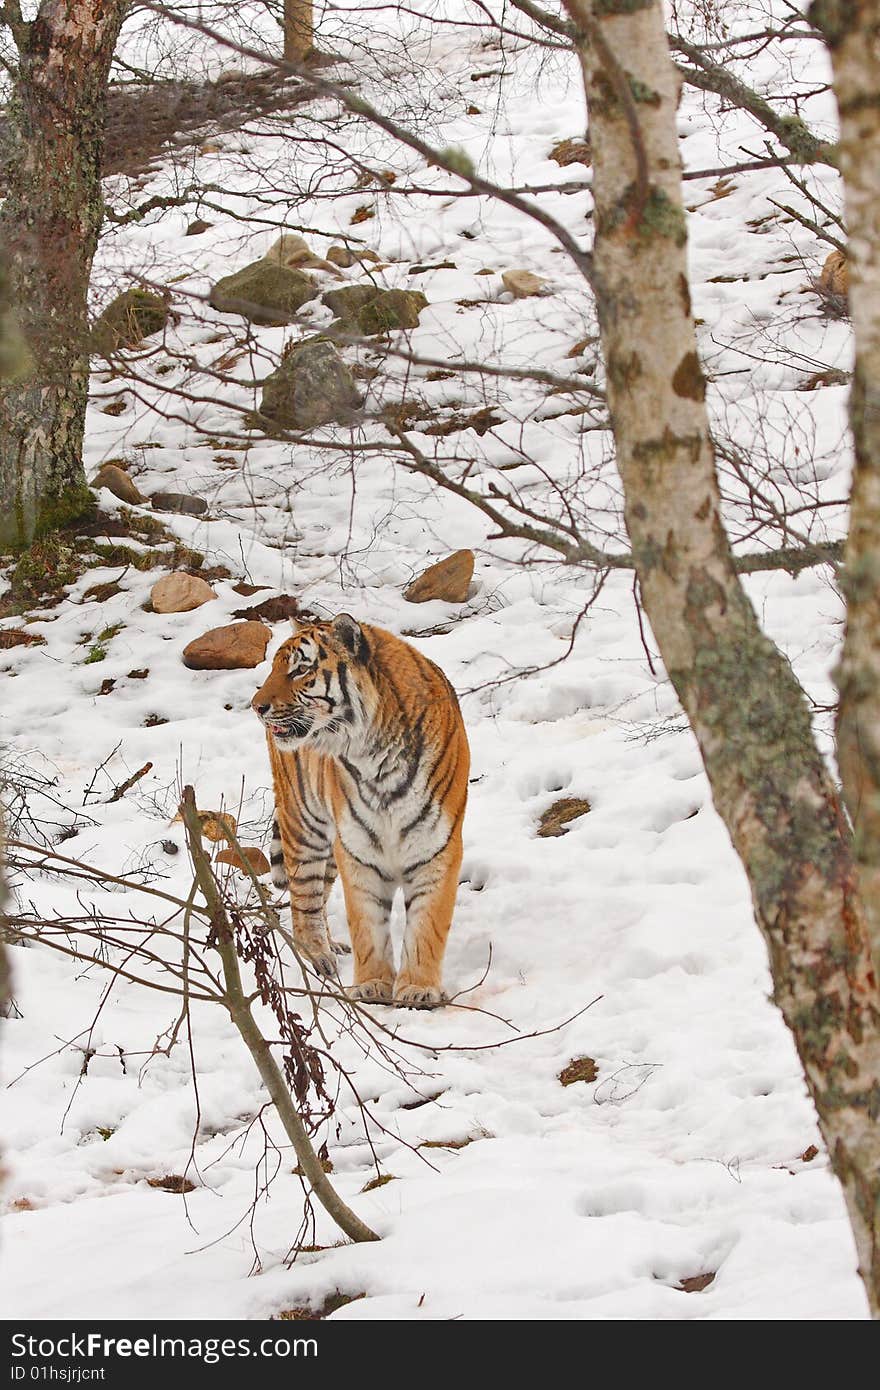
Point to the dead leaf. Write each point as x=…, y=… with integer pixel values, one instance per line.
x=579, y=1069
x=253, y=858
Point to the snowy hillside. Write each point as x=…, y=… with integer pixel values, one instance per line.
x=693, y=1150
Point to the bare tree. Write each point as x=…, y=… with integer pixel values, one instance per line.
x=769, y=782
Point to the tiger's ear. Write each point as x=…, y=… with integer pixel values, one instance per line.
x=351, y=635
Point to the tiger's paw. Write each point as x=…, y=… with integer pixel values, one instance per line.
x=341, y=948
x=371, y=992
x=321, y=962
x=419, y=997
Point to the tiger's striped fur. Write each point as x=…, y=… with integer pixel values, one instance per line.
x=370, y=764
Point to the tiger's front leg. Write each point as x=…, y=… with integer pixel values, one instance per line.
x=305, y=834
x=369, y=893
x=429, y=893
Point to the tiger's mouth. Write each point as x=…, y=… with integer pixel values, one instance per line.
x=291, y=729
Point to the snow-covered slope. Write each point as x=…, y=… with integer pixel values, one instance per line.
x=690, y=1152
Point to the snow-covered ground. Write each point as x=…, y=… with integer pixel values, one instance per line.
x=689, y=1152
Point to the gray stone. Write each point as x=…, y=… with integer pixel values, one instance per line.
x=524, y=284
x=311, y=387
x=369, y=310
x=392, y=309
x=179, y=502
x=264, y=292
x=347, y=302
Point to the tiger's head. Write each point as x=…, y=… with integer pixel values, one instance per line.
x=315, y=691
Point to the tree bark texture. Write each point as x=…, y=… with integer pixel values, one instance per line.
x=49, y=227
x=299, y=30
x=853, y=35
x=745, y=706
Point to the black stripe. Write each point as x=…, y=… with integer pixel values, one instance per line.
x=366, y=864
x=420, y=863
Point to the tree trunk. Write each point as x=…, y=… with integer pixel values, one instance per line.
x=49, y=229
x=853, y=36
x=299, y=30
x=747, y=711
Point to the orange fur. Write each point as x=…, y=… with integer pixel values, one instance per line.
x=370, y=763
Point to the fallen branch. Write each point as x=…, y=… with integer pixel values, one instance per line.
x=119, y=792
x=240, y=1013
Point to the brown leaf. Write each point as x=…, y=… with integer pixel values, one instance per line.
x=696, y=1283
x=579, y=1069
x=378, y=1182
x=250, y=855
x=17, y=637
x=172, y=1182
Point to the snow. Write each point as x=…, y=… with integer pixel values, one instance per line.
x=629, y=939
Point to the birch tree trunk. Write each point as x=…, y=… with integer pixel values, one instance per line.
x=49, y=227
x=299, y=30
x=747, y=710
x=853, y=36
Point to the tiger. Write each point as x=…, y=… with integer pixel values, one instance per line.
x=370, y=763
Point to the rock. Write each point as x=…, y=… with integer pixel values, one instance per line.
x=129, y=318
x=117, y=481
x=834, y=278
x=264, y=292
x=180, y=593
x=293, y=251
x=832, y=376
x=236, y=647
x=180, y=502
x=448, y=580
x=198, y=227
x=567, y=152
x=347, y=302
x=271, y=610
x=556, y=818
x=368, y=309
x=311, y=387
x=392, y=309
x=523, y=284
x=250, y=859
x=345, y=256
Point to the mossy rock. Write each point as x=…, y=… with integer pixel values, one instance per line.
x=264, y=292
x=392, y=309
x=132, y=316
x=311, y=387
x=369, y=310
x=46, y=567
x=347, y=302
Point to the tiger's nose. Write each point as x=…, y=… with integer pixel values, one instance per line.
x=260, y=709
